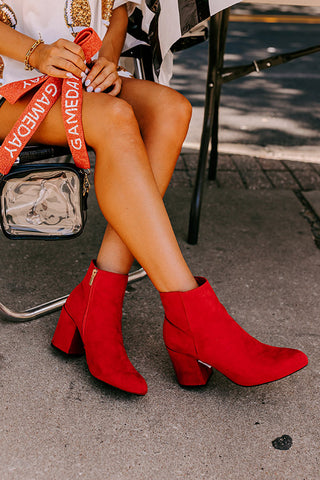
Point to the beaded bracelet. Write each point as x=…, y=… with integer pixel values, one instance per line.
x=27, y=65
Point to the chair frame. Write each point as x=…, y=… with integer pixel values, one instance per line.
x=141, y=56
x=218, y=75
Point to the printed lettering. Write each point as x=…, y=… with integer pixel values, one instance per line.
x=26, y=83
x=76, y=144
x=44, y=99
x=74, y=130
x=29, y=121
x=23, y=130
x=71, y=116
x=16, y=142
x=35, y=110
x=71, y=103
x=72, y=94
x=10, y=151
x=75, y=85
x=51, y=89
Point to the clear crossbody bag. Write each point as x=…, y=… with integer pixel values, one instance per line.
x=44, y=201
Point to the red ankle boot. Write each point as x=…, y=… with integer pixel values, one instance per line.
x=90, y=321
x=199, y=334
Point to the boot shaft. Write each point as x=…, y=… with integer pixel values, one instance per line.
x=97, y=286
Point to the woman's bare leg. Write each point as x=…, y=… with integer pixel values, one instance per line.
x=163, y=116
x=125, y=185
x=131, y=202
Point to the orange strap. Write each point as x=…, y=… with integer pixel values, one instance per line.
x=45, y=97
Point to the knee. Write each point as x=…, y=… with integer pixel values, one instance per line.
x=116, y=117
x=107, y=118
x=178, y=111
x=120, y=115
x=184, y=108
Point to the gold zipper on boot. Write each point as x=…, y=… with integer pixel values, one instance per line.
x=84, y=322
x=93, y=275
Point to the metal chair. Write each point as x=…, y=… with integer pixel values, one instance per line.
x=141, y=58
x=216, y=77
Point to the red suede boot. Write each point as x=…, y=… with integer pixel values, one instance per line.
x=90, y=321
x=199, y=334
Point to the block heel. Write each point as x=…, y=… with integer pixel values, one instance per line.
x=66, y=336
x=188, y=370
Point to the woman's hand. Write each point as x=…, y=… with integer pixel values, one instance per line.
x=103, y=75
x=61, y=59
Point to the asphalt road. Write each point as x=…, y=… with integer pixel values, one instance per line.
x=271, y=112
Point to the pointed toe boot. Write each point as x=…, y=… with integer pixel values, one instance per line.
x=90, y=323
x=200, y=335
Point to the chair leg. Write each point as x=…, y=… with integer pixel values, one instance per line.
x=53, y=305
x=214, y=49
x=196, y=201
x=213, y=158
x=218, y=84
x=139, y=70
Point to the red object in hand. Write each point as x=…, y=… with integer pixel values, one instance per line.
x=45, y=97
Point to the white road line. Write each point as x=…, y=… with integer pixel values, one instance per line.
x=271, y=152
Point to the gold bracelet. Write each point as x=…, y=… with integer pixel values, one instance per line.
x=27, y=65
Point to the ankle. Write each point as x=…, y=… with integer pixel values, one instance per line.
x=112, y=267
x=184, y=285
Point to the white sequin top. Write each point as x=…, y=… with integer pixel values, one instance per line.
x=53, y=19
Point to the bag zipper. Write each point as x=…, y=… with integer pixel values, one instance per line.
x=86, y=185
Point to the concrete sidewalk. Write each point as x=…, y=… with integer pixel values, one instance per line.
x=59, y=422
x=254, y=173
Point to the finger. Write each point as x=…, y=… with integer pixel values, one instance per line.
x=57, y=72
x=107, y=76
x=93, y=74
x=75, y=59
x=70, y=67
x=105, y=83
x=100, y=66
x=104, y=80
x=72, y=47
x=116, y=89
x=60, y=57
